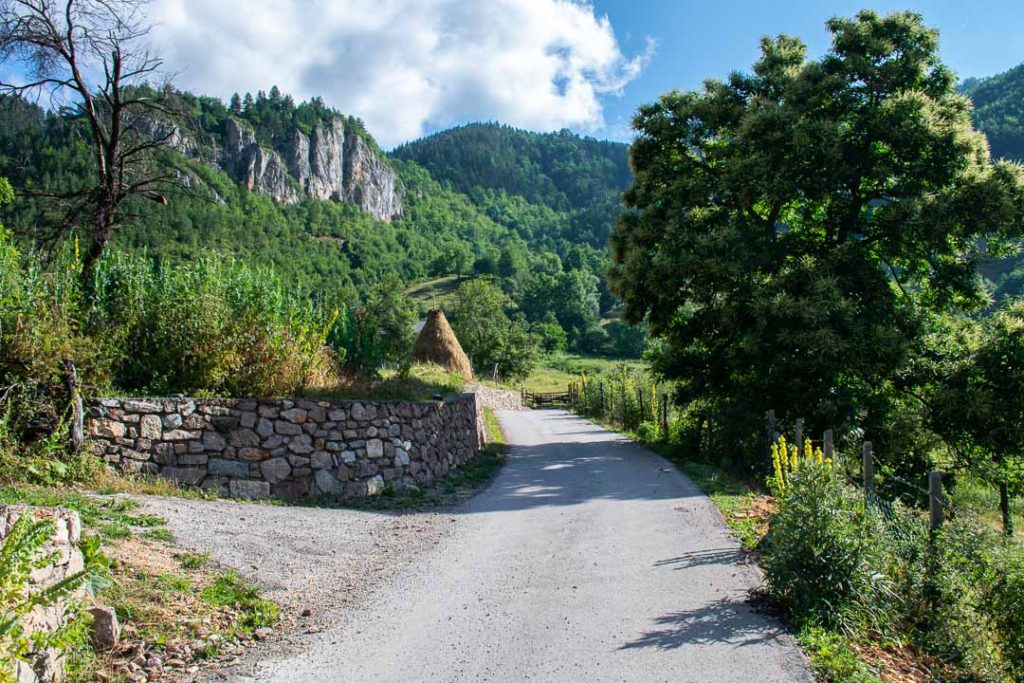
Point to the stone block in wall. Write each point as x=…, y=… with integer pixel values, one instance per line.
x=245, y=488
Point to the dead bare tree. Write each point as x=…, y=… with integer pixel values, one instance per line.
x=92, y=56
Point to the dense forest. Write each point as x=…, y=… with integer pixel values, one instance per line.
x=582, y=178
x=999, y=111
x=540, y=233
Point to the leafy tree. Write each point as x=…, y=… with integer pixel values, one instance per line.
x=571, y=297
x=495, y=342
x=457, y=258
x=552, y=336
x=628, y=341
x=790, y=229
x=974, y=378
x=381, y=330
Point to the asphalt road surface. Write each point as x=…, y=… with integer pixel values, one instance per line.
x=588, y=559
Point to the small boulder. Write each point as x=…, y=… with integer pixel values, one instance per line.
x=106, y=630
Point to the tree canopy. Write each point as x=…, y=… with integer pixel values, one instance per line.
x=790, y=229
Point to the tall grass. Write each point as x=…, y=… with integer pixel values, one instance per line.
x=215, y=326
x=211, y=327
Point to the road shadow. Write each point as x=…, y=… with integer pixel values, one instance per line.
x=731, y=621
x=703, y=558
x=575, y=472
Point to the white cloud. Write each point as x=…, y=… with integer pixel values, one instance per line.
x=405, y=65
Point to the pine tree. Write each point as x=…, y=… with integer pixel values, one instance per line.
x=236, y=104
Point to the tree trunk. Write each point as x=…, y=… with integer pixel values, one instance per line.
x=102, y=231
x=1004, y=508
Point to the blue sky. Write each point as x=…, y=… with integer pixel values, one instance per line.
x=709, y=39
x=410, y=67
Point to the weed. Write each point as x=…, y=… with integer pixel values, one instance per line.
x=231, y=590
x=190, y=560
x=833, y=659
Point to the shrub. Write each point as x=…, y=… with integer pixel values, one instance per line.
x=1004, y=603
x=215, y=326
x=825, y=553
x=21, y=554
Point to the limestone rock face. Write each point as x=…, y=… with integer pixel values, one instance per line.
x=369, y=182
x=328, y=164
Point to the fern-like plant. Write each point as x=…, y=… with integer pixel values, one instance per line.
x=22, y=553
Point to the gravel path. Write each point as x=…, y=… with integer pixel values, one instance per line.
x=314, y=559
x=588, y=559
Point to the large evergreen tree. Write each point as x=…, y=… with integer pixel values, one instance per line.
x=790, y=229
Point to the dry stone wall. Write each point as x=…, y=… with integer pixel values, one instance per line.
x=498, y=399
x=47, y=666
x=288, y=448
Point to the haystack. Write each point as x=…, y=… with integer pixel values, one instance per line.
x=437, y=344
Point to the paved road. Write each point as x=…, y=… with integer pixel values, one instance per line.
x=588, y=559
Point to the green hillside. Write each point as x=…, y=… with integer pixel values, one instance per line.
x=999, y=111
x=540, y=231
x=580, y=179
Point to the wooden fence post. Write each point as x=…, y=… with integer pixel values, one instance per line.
x=827, y=448
x=936, y=501
x=77, y=410
x=664, y=420
x=868, y=469
x=602, y=398
x=800, y=436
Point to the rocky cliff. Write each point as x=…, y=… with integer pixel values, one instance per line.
x=328, y=163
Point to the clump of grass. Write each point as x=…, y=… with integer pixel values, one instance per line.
x=832, y=658
x=231, y=590
x=416, y=382
x=162, y=535
x=190, y=560
x=107, y=482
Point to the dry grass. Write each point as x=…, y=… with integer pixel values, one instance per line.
x=437, y=344
x=418, y=382
x=170, y=626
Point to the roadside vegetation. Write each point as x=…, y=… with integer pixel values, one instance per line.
x=806, y=238
x=178, y=611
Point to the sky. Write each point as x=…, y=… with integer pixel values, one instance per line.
x=410, y=67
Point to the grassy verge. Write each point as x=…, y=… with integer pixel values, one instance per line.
x=558, y=370
x=435, y=293
x=178, y=611
x=418, y=382
x=983, y=499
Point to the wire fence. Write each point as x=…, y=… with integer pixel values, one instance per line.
x=898, y=489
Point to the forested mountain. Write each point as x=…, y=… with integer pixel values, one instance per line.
x=999, y=110
x=999, y=113
x=306, y=189
x=581, y=177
